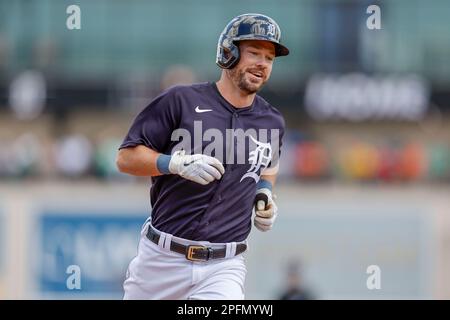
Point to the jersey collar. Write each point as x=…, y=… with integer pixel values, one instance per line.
x=229, y=106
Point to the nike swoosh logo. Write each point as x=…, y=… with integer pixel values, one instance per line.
x=198, y=110
x=186, y=164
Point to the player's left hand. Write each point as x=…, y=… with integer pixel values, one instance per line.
x=265, y=215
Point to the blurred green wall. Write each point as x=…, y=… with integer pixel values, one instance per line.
x=138, y=36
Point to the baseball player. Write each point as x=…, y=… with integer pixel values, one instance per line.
x=212, y=151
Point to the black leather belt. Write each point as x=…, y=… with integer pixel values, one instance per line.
x=196, y=252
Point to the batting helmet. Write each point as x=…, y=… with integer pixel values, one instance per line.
x=249, y=26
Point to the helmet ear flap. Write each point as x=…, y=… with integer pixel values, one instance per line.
x=227, y=56
x=226, y=53
x=235, y=56
x=234, y=62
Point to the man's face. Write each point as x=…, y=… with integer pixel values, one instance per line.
x=255, y=65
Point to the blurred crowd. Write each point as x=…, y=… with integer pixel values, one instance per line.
x=71, y=156
x=81, y=156
x=407, y=161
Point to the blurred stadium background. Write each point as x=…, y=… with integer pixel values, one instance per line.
x=365, y=176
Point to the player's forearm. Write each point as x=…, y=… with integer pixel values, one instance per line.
x=270, y=178
x=138, y=161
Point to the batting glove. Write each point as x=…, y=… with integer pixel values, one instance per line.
x=266, y=210
x=199, y=168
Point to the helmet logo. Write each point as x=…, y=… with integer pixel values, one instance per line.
x=257, y=29
x=263, y=29
x=271, y=30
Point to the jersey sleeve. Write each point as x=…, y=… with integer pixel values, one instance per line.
x=154, y=125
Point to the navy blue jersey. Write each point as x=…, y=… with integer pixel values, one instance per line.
x=198, y=119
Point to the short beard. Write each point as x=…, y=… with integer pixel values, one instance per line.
x=238, y=77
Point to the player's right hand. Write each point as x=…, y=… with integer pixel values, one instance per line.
x=199, y=168
x=266, y=210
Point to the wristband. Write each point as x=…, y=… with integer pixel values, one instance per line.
x=162, y=163
x=264, y=184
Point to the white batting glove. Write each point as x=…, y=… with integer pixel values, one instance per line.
x=197, y=167
x=265, y=216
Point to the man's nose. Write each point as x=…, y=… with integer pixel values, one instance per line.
x=262, y=62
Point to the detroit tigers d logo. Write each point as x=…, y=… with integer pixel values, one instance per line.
x=259, y=159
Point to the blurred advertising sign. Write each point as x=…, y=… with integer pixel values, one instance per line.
x=96, y=247
x=358, y=97
x=337, y=241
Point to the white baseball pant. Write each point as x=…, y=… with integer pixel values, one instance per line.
x=157, y=273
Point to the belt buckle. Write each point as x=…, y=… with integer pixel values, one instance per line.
x=190, y=253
